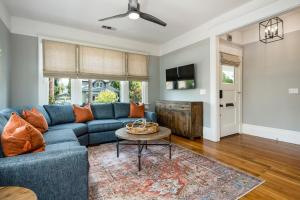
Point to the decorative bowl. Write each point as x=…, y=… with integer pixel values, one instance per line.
x=141, y=127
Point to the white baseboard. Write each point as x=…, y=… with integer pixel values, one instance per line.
x=272, y=133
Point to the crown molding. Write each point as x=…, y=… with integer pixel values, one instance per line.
x=247, y=14
x=35, y=28
x=4, y=15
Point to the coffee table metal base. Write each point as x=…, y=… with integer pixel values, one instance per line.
x=141, y=144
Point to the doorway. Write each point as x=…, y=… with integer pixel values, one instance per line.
x=230, y=94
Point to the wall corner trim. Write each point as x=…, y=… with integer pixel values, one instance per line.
x=5, y=16
x=207, y=134
x=272, y=133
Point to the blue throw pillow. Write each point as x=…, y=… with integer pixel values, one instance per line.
x=122, y=110
x=60, y=114
x=103, y=111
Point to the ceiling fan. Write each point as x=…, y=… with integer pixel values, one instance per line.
x=135, y=13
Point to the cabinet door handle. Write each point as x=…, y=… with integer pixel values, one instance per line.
x=229, y=104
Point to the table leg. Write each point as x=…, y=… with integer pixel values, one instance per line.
x=118, y=146
x=146, y=144
x=139, y=154
x=170, y=147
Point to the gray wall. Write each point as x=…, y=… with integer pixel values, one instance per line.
x=24, y=70
x=198, y=54
x=4, y=65
x=268, y=72
x=153, y=91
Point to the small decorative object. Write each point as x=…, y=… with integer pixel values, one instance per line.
x=142, y=127
x=229, y=38
x=271, y=30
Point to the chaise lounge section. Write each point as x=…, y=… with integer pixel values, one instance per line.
x=63, y=166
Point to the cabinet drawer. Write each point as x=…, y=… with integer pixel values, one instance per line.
x=179, y=107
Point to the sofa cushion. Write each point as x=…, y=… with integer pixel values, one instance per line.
x=103, y=111
x=128, y=120
x=78, y=128
x=7, y=112
x=102, y=137
x=41, y=109
x=104, y=125
x=60, y=114
x=62, y=146
x=122, y=110
x=59, y=136
x=3, y=122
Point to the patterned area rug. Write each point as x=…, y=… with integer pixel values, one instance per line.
x=187, y=176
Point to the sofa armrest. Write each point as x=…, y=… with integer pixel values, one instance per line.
x=150, y=116
x=51, y=175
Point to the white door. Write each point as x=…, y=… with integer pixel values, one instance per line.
x=230, y=99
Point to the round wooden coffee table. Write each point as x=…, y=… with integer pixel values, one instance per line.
x=16, y=193
x=142, y=140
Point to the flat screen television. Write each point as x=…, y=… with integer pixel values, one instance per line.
x=180, y=78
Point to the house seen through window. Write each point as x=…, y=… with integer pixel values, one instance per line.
x=100, y=91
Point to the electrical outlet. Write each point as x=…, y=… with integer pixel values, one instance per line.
x=202, y=91
x=293, y=91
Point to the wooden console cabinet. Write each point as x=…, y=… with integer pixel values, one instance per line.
x=183, y=118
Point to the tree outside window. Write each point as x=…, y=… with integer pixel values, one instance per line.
x=135, y=91
x=59, y=90
x=228, y=74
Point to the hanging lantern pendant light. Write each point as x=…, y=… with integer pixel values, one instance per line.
x=271, y=30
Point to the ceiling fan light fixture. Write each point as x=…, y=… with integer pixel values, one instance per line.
x=134, y=15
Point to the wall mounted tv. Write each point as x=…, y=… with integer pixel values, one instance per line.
x=181, y=78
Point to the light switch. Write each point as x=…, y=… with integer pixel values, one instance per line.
x=202, y=91
x=293, y=91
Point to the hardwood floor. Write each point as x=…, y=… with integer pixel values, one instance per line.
x=278, y=163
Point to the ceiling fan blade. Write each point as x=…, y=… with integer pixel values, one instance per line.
x=114, y=17
x=151, y=18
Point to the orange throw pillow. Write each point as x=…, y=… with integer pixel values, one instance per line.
x=36, y=119
x=20, y=137
x=83, y=114
x=137, y=110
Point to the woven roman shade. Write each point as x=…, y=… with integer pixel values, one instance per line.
x=60, y=59
x=228, y=59
x=97, y=63
x=67, y=60
x=137, y=66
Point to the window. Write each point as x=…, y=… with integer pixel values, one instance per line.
x=86, y=74
x=135, y=91
x=100, y=91
x=228, y=74
x=59, y=90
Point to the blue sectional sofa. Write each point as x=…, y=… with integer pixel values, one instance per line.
x=61, y=171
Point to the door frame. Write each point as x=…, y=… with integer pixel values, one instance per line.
x=234, y=49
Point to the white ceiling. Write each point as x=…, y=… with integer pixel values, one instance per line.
x=181, y=15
